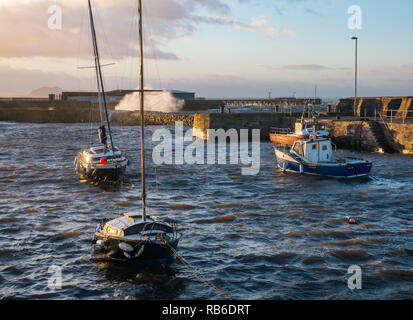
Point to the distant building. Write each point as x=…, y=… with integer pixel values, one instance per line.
x=116, y=96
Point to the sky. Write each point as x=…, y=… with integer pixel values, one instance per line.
x=216, y=48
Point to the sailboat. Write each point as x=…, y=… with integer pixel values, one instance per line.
x=137, y=237
x=104, y=162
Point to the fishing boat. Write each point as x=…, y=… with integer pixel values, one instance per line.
x=137, y=237
x=304, y=128
x=104, y=162
x=315, y=156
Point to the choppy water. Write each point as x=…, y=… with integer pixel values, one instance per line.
x=271, y=236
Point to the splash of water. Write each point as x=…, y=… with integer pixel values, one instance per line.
x=161, y=101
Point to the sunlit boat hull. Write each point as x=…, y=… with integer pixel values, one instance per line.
x=112, y=170
x=151, y=253
x=352, y=168
x=106, y=173
x=285, y=139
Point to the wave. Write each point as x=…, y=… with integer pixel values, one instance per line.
x=181, y=206
x=396, y=274
x=125, y=204
x=350, y=242
x=349, y=255
x=67, y=235
x=221, y=219
x=228, y=205
x=313, y=260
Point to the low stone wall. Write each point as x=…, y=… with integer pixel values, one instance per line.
x=226, y=121
x=75, y=112
x=202, y=104
x=50, y=115
x=132, y=118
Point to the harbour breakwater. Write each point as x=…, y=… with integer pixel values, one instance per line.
x=372, y=136
x=73, y=111
x=40, y=111
x=132, y=118
x=400, y=107
x=263, y=121
x=77, y=112
x=351, y=134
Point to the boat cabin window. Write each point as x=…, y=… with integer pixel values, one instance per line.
x=298, y=149
x=314, y=146
x=325, y=148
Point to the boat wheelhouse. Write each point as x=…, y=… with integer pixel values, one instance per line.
x=304, y=129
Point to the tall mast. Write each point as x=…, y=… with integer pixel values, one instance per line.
x=101, y=89
x=92, y=27
x=141, y=96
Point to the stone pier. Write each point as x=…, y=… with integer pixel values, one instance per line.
x=401, y=107
x=250, y=121
x=361, y=135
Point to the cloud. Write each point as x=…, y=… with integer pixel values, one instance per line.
x=271, y=32
x=290, y=32
x=313, y=12
x=22, y=81
x=215, y=5
x=300, y=67
x=24, y=28
x=260, y=25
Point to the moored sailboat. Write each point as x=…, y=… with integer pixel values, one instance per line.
x=105, y=162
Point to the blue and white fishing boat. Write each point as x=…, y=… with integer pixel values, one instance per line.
x=316, y=156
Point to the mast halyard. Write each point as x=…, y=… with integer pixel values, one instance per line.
x=101, y=89
x=141, y=96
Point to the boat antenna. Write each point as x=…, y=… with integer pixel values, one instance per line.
x=142, y=115
x=101, y=88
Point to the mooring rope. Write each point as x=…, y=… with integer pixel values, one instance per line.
x=197, y=273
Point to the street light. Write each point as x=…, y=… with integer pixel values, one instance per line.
x=355, y=77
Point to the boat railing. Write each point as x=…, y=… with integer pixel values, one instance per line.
x=280, y=130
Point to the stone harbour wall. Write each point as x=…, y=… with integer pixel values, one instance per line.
x=359, y=135
x=250, y=121
x=400, y=106
x=132, y=118
x=402, y=134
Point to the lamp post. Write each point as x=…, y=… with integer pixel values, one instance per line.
x=355, y=77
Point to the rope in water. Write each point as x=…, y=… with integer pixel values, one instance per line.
x=188, y=265
x=197, y=273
